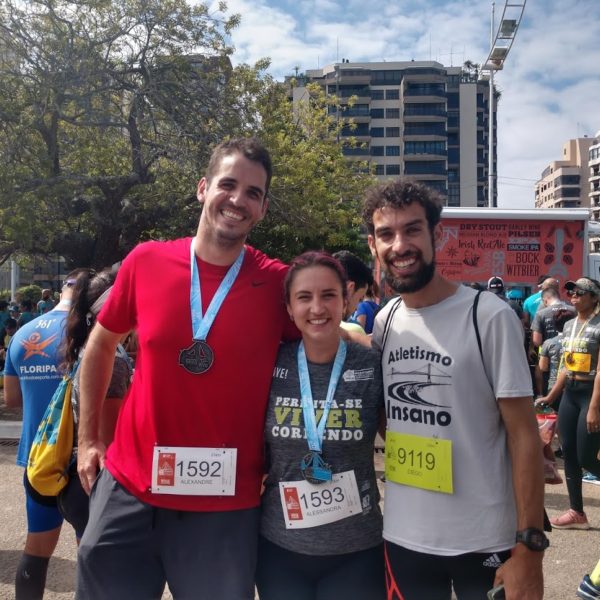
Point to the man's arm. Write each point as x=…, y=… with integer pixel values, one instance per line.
x=96, y=369
x=522, y=573
x=12, y=392
x=537, y=338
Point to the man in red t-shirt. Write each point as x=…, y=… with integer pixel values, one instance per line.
x=177, y=498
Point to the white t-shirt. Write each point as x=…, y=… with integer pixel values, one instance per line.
x=435, y=386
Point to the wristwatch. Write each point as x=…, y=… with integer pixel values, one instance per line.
x=533, y=538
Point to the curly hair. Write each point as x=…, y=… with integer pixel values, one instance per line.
x=400, y=193
x=89, y=287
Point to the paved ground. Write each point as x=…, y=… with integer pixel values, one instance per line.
x=571, y=554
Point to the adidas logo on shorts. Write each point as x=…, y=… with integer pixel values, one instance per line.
x=492, y=561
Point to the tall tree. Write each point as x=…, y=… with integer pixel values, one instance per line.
x=109, y=110
x=98, y=99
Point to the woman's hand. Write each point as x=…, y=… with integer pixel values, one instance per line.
x=593, y=419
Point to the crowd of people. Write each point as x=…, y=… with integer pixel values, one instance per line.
x=242, y=452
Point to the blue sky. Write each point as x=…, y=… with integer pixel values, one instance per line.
x=550, y=85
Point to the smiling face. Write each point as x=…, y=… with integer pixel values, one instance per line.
x=316, y=303
x=234, y=200
x=405, y=246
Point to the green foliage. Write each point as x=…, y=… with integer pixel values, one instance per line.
x=316, y=192
x=109, y=112
x=29, y=292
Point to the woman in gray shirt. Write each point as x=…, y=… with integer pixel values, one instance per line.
x=321, y=525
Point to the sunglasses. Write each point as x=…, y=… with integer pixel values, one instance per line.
x=577, y=293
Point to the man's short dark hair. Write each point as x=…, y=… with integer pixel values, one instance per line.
x=250, y=148
x=356, y=270
x=400, y=193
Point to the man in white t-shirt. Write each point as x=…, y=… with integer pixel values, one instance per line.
x=464, y=477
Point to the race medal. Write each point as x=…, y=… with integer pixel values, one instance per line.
x=199, y=357
x=314, y=469
x=578, y=362
x=307, y=505
x=196, y=359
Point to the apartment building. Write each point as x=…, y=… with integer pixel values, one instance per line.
x=565, y=183
x=416, y=118
x=594, y=184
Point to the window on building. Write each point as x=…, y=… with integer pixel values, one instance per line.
x=453, y=156
x=377, y=113
x=438, y=186
x=386, y=77
x=425, y=89
x=392, y=94
x=453, y=139
x=355, y=150
x=425, y=109
x=379, y=169
x=377, y=131
x=358, y=110
x=377, y=150
x=392, y=169
x=453, y=194
x=424, y=128
x=392, y=113
x=355, y=129
x=452, y=175
x=452, y=99
x=376, y=94
x=392, y=132
x=392, y=150
x=425, y=148
x=424, y=167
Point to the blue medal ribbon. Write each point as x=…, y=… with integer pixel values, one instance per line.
x=314, y=432
x=201, y=324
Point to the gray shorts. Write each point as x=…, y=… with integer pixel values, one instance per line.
x=130, y=550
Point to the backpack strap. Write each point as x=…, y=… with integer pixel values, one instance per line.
x=388, y=323
x=477, y=334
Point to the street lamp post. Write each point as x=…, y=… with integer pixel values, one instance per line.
x=501, y=41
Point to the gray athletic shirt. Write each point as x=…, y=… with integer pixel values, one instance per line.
x=347, y=445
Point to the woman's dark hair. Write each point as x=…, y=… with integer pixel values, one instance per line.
x=86, y=291
x=314, y=259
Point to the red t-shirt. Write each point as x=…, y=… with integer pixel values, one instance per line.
x=166, y=405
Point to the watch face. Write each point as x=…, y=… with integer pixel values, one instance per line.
x=533, y=538
x=537, y=538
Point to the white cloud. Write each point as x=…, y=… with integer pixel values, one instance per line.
x=550, y=85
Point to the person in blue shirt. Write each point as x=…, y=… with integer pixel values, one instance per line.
x=366, y=310
x=30, y=379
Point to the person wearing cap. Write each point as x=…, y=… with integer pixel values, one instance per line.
x=31, y=375
x=496, y=286
x=579, y=411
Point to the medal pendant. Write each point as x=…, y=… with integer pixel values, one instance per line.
x=196, y=359
x=315, y=469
